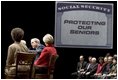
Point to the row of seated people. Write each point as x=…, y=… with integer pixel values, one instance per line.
x=42, y=52
x=106, y=68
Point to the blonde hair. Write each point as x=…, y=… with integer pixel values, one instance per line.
x=48, y=39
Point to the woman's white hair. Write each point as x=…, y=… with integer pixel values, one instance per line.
x=23, y=41
x=48, y=39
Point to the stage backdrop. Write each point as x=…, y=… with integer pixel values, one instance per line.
x=37, y=18
x=84, y=25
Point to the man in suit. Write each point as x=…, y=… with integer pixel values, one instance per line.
x=81, y=65
x=113, y=72
x=82, y=73
x=37, y=47
x=92, y=69
x=106, y=70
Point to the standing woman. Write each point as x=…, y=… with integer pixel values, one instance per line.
x=17, y=35
x=44, y=58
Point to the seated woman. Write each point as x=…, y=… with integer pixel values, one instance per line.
x=17, y=35
x=44, y=58
x=99, y=68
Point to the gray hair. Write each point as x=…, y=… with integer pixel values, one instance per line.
x=93, y=59
x=23, y=41
x=35, y=40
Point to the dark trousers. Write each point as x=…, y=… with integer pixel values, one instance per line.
x=41, y=70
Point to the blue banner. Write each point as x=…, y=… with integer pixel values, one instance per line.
x=61, y=7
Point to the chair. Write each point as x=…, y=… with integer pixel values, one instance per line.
x=50, y=68
x=24, y=65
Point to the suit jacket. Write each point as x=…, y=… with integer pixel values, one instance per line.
x=44, y=58
x=37, y=50
x=81, y=65
x=87, y=66
x=92, y=69
x=113, y=69
x=107, y=68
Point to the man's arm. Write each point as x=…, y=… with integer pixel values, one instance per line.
x=94, y=69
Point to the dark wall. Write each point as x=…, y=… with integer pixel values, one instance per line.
x=37, y=19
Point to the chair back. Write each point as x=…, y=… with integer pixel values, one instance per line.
x=24, y=63
x=52, y=61
x=50, y=68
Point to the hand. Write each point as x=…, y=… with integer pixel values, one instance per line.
x=99, y=74
x=104, y=75
x=82, y=70
x=114, y=74
x=78, y=71
x=109, y=75
x=87, y=73
x=95, y=74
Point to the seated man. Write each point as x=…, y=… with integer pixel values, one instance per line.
x=81, y=74
x=106, y=70
x=99, y=68
x=113, y=72
x=36, y=47
x=92, y=69
x=81, y=66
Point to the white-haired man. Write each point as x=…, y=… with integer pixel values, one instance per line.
x=36, y=46
x=92, y=69
x=23, y=42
